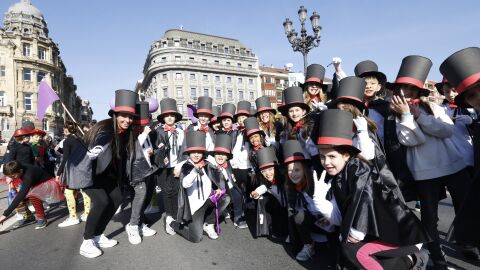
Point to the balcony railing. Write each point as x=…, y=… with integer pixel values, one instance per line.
x=6, y=109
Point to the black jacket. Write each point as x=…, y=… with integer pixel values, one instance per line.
x=20, y=152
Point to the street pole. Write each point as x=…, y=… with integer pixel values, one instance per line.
x=304, y=43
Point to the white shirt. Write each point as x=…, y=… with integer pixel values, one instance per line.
x=180, y=137
x=146, y=144
x=240, y=160
x=192, y=182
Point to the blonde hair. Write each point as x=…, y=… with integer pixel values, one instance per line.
x=321, y=96
x=270, y=126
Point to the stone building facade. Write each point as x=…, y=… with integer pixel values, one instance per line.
x=273, y=82
x=28, y=55
x=185, y=65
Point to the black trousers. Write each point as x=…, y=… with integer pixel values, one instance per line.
x=243, y=180
x=106, y=197
x=428, y=193
x=169, y=186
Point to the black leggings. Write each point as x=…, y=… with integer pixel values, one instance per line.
x=169, y=186
x=106, y=197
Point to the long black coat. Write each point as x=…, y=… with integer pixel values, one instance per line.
x=373, y=204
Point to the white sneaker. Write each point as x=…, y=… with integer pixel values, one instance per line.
x=210, y=230
x=84, y=217
x=168, y=228
x=146, y=231
x=69, y=222
x=89, y=249
x=306, y=253
x=133, y=234
x=118, y=210
x=103, y=242
x=152, y=210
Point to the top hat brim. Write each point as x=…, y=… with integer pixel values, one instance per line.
x=323, y=86
x=196, y=149
x=333, y=104
x=381, y=77
x=178, y=116
x=202, y=112
x=111, y=112
x=261, y=110
x=235, y=117
x=393, y=86
x=284, y=108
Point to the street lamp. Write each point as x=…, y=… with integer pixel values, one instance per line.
x=305, y=42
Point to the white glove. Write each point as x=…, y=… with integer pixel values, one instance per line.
x=95, y=152
x=336, y=60
x=360, y=124
x=319, y=105
x=321, y=188
x=463, y=119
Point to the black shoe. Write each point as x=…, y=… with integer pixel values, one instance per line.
x=41, y=223
x=470, y=252
x=24, y=222
x=420, y=260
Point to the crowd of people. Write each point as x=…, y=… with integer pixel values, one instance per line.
x=334, y=165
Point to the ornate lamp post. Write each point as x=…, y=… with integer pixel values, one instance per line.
x=305, y=42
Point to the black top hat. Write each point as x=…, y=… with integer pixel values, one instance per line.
x=204, y=105
x=462, y=70
x=252, y=126
x=223, y=144
x=125, y=101
x=253, y=111
x=334, y=127
x=195, y=141
x=215, y=112
x=439, y=86
x=228, y=110
x=293, y=97
x=369, y=68
x=168, y=106
x=350, y=90
x=266, y=157
x=264, y=104
x=292, y=151
x=243, y=108
x=413, y=71
x=315, y=73
x=142, y=114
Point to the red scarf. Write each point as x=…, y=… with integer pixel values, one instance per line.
x=203, y=128
x=168, y=128
x=274, y=182
x=201, y=163
x=452, y=105
x=224, y=165
x=120, y=130
x=241, y=128
x=257, y=147
x=298, y=125
x=300, y=186
x=227, y=129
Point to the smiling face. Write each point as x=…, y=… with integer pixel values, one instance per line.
x=313, y=88
x=449, y=92
x=196, y=156
x=410, y=91
x=169, y=119
x=265, y=117
x=227, y=123
x=371, y=88
x=203, y=118
x=220, y=158
x=296, y=113
x=255, y=140
x=295, y=172
x=124, y=120
x=35, y=138
x=332, y=160
x=269, y=173
x=240, y=120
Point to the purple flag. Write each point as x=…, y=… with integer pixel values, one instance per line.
x=46, y=96
x=190, y=111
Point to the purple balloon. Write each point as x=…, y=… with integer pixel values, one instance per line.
x=112, y=103
x=152, y=104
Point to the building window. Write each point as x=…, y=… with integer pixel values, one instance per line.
x=164, y=59
x=164, y=76
x=176, y=43
x=206, y=92
x=230, y=94
x=204, y=60
x=250, y=81
x=40, y=76
x=215, y=48
x=2, y=98
x=177, y=58
x=178, y=75
x=191, y=58
x=218, y=93
x=42, y=53
x=192, y=76
x=165, y=92
x=193, y=93
x=202, y=46
x=45, y=124
x=5, y=125
x=227, y=63
x=217, y=62
x=252, y=95
x=279, y=96
x=179, y=92
x=229, y=79
x=240, y=80
x=180, y=107
x=26, y=49
x=190, y=44
x=27, y=74
x=28, y=102
x=268, y=80
x=250, y=66
x=2, y=71
x=217, y=78
x=239, y=64
x=205, y=77
x=240, y=95
x=225, y=49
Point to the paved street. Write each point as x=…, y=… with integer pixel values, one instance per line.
x=55, y=248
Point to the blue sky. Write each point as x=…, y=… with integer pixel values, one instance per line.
x=104, y=44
